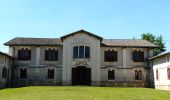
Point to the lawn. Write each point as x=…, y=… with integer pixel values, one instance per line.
x=82, y=93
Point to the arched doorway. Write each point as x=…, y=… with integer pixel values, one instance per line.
x=81, y=76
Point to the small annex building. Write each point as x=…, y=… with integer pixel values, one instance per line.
x=161, y=70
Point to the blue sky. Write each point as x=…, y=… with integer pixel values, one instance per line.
x=117, y=19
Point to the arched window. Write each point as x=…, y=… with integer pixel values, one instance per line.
x=138, y=74
x=24, y=54
x=4, y=72
x=111, y=74
x=81, y=52
x=23, y=73
x=157, y=74
x=50, y=73
x=110, y=56
x=168, y=73
x=51, y=55
x=138, y=56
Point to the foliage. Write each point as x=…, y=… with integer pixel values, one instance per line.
x=155, y=40
x=82, y=93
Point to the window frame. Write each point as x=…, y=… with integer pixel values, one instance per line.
x=4, y=72
x=109, y=53
x=138, y=56
x=168, y=73
x=138, y=74
x=23, y=75
x=157, y=74
x=51, y=55
x=81, y=52
x=111, y=72
x=51, y=73
x=24, y=54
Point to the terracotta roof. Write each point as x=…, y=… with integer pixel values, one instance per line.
x=57, y=41
x=5, y=54
x=18, y=41
x=81, y=31
x=127, y=43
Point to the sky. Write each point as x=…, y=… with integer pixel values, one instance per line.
x=110, y=19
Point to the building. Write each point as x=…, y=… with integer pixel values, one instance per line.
x=5, y=70
x=80, y=58
x=161, y=70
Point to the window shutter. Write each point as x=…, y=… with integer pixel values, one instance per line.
x=19, y=54
x=46, y=54
x=115, y=55
x=142, y=56
x=29, y=54
x=56, y=55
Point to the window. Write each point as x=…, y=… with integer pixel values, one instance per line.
x=168, y=73
x=51, y=55
x=23, y=73
x=50, y=73
x=87, y=53
x=157, y=75
x=110, y=56
x=81, y=52
x=138, y=74
x=75, y=52
x=24, y=54
x=138, y=56
x=4, y=72
x=111, y=74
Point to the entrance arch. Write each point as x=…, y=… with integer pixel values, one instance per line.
x=81, y=76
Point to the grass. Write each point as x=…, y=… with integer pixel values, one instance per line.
x=82, y=93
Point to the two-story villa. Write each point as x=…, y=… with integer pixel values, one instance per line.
x=80, y=58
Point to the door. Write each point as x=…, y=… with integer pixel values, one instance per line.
x=81, y=76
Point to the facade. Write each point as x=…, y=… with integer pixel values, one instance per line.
x=5, y=70
x=80, y=58
x=161, y=70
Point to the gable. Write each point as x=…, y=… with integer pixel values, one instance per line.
x=81, y=32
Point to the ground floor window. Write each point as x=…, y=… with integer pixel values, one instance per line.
x=138, y=74
x=111, y=74
x=157, y=74
x=23, y=73
x=4, y=72
x=168, y=73
x=51, y=73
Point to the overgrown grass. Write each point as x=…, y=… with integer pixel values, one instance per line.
x=82, y=93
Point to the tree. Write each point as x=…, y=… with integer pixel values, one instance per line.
x=155, y=40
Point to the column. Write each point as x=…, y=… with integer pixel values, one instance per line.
x=37, y=63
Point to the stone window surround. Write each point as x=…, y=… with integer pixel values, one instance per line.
x=27, y=70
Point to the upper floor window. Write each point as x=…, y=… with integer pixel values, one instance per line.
x=157, y=74
x=23, y=73
x=111, y=74
x=138, y=56
x=110, y=56
x=168, y=73
x=24, y=54
x=51, y=55
x=138, y=74
x=50, y=73
x=81, y=52
x=4, y=72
